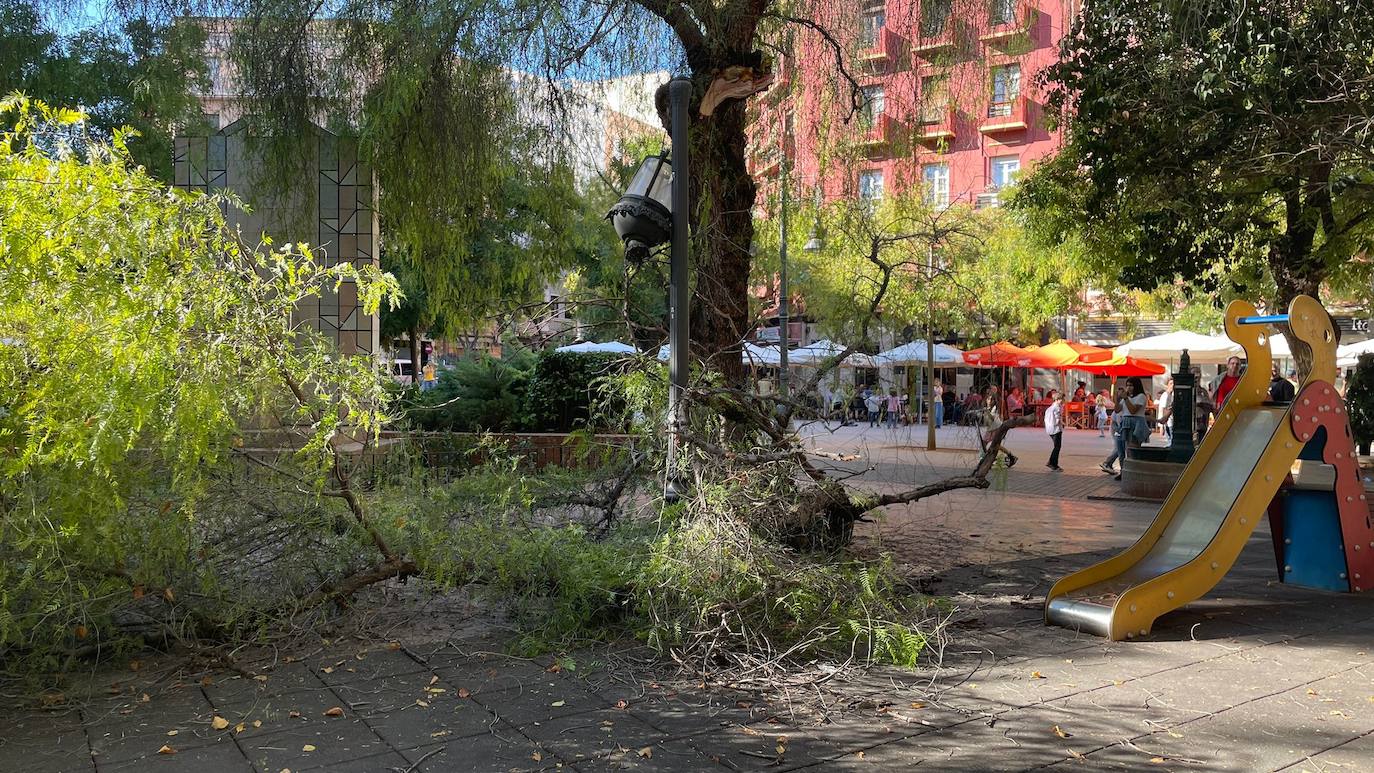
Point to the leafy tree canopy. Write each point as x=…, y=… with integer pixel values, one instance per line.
x=1224, y=144
x=140, y=75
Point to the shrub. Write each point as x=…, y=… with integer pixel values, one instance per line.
x=568, y=388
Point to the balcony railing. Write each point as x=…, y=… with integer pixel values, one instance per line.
x=936, y=123
x=1005, y=115
x=881, y=131
x=881, y=49
x=936, y=37
x=1003, y=25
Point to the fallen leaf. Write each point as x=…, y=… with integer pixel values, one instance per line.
x=860, y=755
x=554, y=668
x=1061, y=732
x=294, y=715
x=337, y=711
x=1076, y=755
x=81, y=632
x=240, y=727
x=257, y=723
x=173, y=732
x=917, y=705
x=433, y=680
x=1117, y=682
x=463, y=692
x=393, y=646
x=219, y=723
x=206, y=681
x=166, y=750
x=138, y=592
x=135, y=665
x=310, y=747
x=536, y=756
x=557, y=704
x=436, y=690
x=327, y=669
x=422, y=704
x=144, y=698
x=284, y=770
x=261, y=678
x=167, y=594
x=1037, y=675
x=621, y=704
x=646, y=752
x=1158, y=760
x=743, y=704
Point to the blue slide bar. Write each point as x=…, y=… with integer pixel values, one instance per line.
x=1265, y=320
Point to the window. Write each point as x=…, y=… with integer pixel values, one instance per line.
x=872, y=19
x=1006, y=88
x=934, y=17
x=1004, y=171
x=1003, y=12
x=937, y=184
x=934, y=98
x=872, y=108
x=871, y=185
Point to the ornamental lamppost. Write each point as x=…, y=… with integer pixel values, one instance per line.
x=653, y=210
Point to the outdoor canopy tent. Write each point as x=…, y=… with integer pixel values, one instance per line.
x=1202, y=350
x=1349, y=355
x=589, y=347
x=820, y=351
x=752, y=354
x=946, y=356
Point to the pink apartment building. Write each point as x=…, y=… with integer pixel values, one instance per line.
x=949, y=100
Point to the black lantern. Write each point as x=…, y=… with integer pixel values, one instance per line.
x=643, y=216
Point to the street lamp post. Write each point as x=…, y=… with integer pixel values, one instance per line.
x=654, y=210
x=930, y=350
x=784, y=317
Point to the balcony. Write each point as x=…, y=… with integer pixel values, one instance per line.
x=1007, y=26
x=1008, y=116
x=936, y=39
x=882, y=131
x=936, y=124
x=882, y=50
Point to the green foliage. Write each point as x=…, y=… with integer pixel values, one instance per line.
x=685, y=583
x=139, y=75
x=1359, y=400
x=480, y=394
x=1212, y=142
x=141, y=339
x=567, y=389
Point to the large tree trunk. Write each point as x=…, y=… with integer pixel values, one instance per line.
x=1295, y=267
x=723, y=202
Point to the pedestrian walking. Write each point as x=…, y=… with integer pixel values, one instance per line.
x=893, y=405
x=1117, y=406
x=1103, y=404
x=1054, y=427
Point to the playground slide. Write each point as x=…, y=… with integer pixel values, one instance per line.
x=1213, y=509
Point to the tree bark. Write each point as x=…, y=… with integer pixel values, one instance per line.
x=1296, y=269
x=414, y=334
x=722, y=202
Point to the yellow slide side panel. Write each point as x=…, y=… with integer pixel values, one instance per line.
x=1136, y=610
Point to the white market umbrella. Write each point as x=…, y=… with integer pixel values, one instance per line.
x=1348, y=356
x=752, y=354
x=915, y=352
x=588, y=347
x=1202, y=350
x=822, y=350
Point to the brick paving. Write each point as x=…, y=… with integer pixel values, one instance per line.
x=1255, y=676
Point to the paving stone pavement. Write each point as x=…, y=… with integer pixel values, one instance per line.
x=1255, y=676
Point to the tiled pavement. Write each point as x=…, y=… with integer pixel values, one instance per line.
x=1257, y=676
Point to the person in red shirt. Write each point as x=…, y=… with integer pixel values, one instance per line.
x=1226, y=383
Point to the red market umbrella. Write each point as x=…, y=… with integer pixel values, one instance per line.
x=1123, y=366
x=1004, y=354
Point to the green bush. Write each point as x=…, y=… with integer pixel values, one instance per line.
x=480, y=394
x=568, y=388
x=1359, y=401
